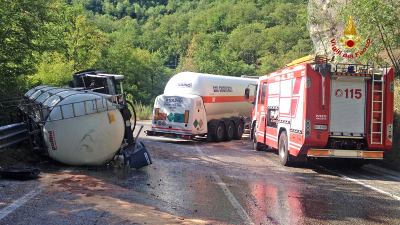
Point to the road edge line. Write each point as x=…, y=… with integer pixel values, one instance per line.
x=18, y=203
x=361, y=183
x=231, y=198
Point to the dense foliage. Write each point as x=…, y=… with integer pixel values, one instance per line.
x=147, y=41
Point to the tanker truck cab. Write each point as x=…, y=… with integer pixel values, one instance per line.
x=99, y=82
x=195, y=104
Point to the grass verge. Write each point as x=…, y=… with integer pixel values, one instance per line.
x=143, y=112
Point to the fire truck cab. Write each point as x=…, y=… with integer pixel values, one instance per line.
x=316, y=109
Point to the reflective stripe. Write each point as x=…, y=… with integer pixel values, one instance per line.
x=340, y=153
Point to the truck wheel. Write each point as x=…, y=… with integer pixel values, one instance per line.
x=239, y=128
x=217, y=131
x=230, y=131
x=256, y=145
x=212, y=127
x=283, y=149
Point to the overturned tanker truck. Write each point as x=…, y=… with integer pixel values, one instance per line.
x=197, y=104
x=88, y=123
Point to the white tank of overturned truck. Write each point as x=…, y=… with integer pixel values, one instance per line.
x=79, y=128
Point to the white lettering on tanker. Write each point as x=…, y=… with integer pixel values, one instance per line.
x=222, y=89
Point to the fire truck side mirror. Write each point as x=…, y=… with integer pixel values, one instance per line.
x=247, y=93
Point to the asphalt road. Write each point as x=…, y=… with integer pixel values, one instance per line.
x=195, y=182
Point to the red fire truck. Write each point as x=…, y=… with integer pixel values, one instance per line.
x=316, y=109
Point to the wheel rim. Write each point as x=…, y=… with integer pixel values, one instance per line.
x=220, y=132
x=282, y=149
x=231, y=131
x=254, y=136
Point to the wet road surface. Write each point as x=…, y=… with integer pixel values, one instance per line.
x=195, y=182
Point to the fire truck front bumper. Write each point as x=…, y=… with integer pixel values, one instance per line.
x=340, y=153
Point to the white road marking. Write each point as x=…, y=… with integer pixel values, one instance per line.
x=383, y=171
x=18, y=203
x=234, y=202
x=388, y=176
x=362, y=184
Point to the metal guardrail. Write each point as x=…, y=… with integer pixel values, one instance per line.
x=13, y=134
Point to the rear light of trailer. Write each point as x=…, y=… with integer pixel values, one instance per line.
x=186, y=117
x=156, y=112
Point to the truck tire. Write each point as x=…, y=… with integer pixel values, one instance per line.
x=230, y=131
x=283, y=149
x=256, y=145
x=239, y=129
x=220, y=132
x=212, y=127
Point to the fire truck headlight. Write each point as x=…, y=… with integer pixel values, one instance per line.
x=320, y=127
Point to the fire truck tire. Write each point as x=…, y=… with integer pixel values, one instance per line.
x=256, y=145
x=230, y=131
x=283, y=149
x=239, y=129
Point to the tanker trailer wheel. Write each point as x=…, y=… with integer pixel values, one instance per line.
x=239, y=129
x=219, y=133
x=283, y=149
x=230, y=131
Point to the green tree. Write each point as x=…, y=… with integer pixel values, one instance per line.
x=54, y=69
x=79, y=45
x=20, y=31
x=145, y=75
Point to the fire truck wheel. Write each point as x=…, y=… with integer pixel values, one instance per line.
x=283, y=149
x=239, y=128
x=230, y=131
x=256, y=145
x=219, y=133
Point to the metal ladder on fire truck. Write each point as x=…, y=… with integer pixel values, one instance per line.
x=377, y=98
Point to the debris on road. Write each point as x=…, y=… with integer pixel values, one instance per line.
x=21, y=173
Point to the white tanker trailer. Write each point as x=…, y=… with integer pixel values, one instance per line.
x=85, y=125
x=196, y=104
